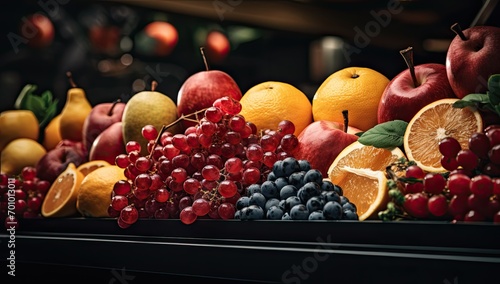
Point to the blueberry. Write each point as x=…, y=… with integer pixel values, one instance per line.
x=309, y=190
x=349, y=206
x=237, y=214
x=253, y=188
x=290, y=166
x=297, y=179
x=242, y=202
x=258, y=199
x=287, y=191
x=343, y=200
x=349, y=215
x=313, y=175
x=338, y=189
x=304, y=165
x=316, y=215
x=332, y=210
x=315, y=203
x=331, y=196
x=278, y=169
x=271, y=202
x=252, y=212
x=271, y=176
x=281, y=182
x=282, y=204
x=291, y=201
x=299, y=212
x=286, y=216
x=327, y=185
x=269, y=189
x=275, y=213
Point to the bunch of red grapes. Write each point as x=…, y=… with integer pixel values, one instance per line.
x=21, y=196
x=200, y=173
x=469, y=191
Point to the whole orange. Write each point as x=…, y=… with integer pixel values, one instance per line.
x=268, y=103
x=355, y=89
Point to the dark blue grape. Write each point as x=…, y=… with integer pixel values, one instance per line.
x=269, y=189
x=315, y=203
x=242, y=202
x=297, y=179
x=331, y=196
x=291, y=201
x=275, y=213
x=278, y=169
x=286, y=216
x=290, y=166
x=349, y=206
x=349, y=215
x=332, y=210
x=299, y=212
x=304, y=165
x=253, y=188
x=287, y=191
x=258, y=199
x=281, y=182
x=309, y=190
x=316, y=215
x=252, y=212
x=271, y=202
x=313, y=175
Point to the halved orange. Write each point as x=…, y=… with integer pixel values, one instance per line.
x=90, y=166
x=360, y=171
x=60, y=200
x=434, y=122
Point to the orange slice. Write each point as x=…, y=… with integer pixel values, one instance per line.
x=60, y=200
x=360, y=171
x=90, y=166
x=434, y=122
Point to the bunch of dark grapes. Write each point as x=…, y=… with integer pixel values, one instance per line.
x=200, y=173
x=295, y=191
x=22, y=195
x=470, y=189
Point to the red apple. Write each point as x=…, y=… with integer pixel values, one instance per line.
x=158, y=38
x=201, y=89
x=412, y=89
x=321, y=142
x=55, y=161
x=472, y=58
x=38, y=30
x=217, y=45
x=108, y=144
x=100, y=117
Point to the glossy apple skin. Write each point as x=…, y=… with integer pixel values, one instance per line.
x=201, y=89
x=470, y=63
x=108, y=144
x=99, y=119
x=402, y=100
x=55, y=161
x=321, y=142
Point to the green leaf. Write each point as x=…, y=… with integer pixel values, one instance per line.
x=494, y=89
x=385, y=135
x=44, y=106
x=476, y=98
x=21, y=98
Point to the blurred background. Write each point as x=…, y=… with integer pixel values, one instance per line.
x=114, y=49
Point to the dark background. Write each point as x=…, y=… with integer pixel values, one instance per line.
x=283, y=33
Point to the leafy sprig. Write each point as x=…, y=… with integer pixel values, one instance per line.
x=44, y=106
x=489, y=101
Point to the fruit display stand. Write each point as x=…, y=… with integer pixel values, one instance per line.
x=261, y=251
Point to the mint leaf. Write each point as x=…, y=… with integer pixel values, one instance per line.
x=385, y=135
x=44, y=106
x=494, y=89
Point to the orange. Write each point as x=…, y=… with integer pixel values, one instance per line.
x=434, y=122
x=96, y=190
x=360, y=171
x=268, y=103
x=90, y=166
x=52, y=135
x=355, y=89
x=60, y=200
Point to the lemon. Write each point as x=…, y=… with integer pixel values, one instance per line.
x=96, y=189
x=20, y=153
x=17, y=124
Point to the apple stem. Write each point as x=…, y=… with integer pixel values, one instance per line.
x=458, y=30
x=70, y=78
x=345, y=114
x=202, y=50
x=154, y=84
x=408, y=57
x=110, y=112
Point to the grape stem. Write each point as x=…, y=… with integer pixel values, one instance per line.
x=202, y=50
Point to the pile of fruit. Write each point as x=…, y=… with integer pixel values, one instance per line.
x=422, y=146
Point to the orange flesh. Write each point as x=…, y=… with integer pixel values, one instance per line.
x=361, y=191
x=63, y=188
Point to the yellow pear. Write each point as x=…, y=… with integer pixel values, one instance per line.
x=74, y=113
